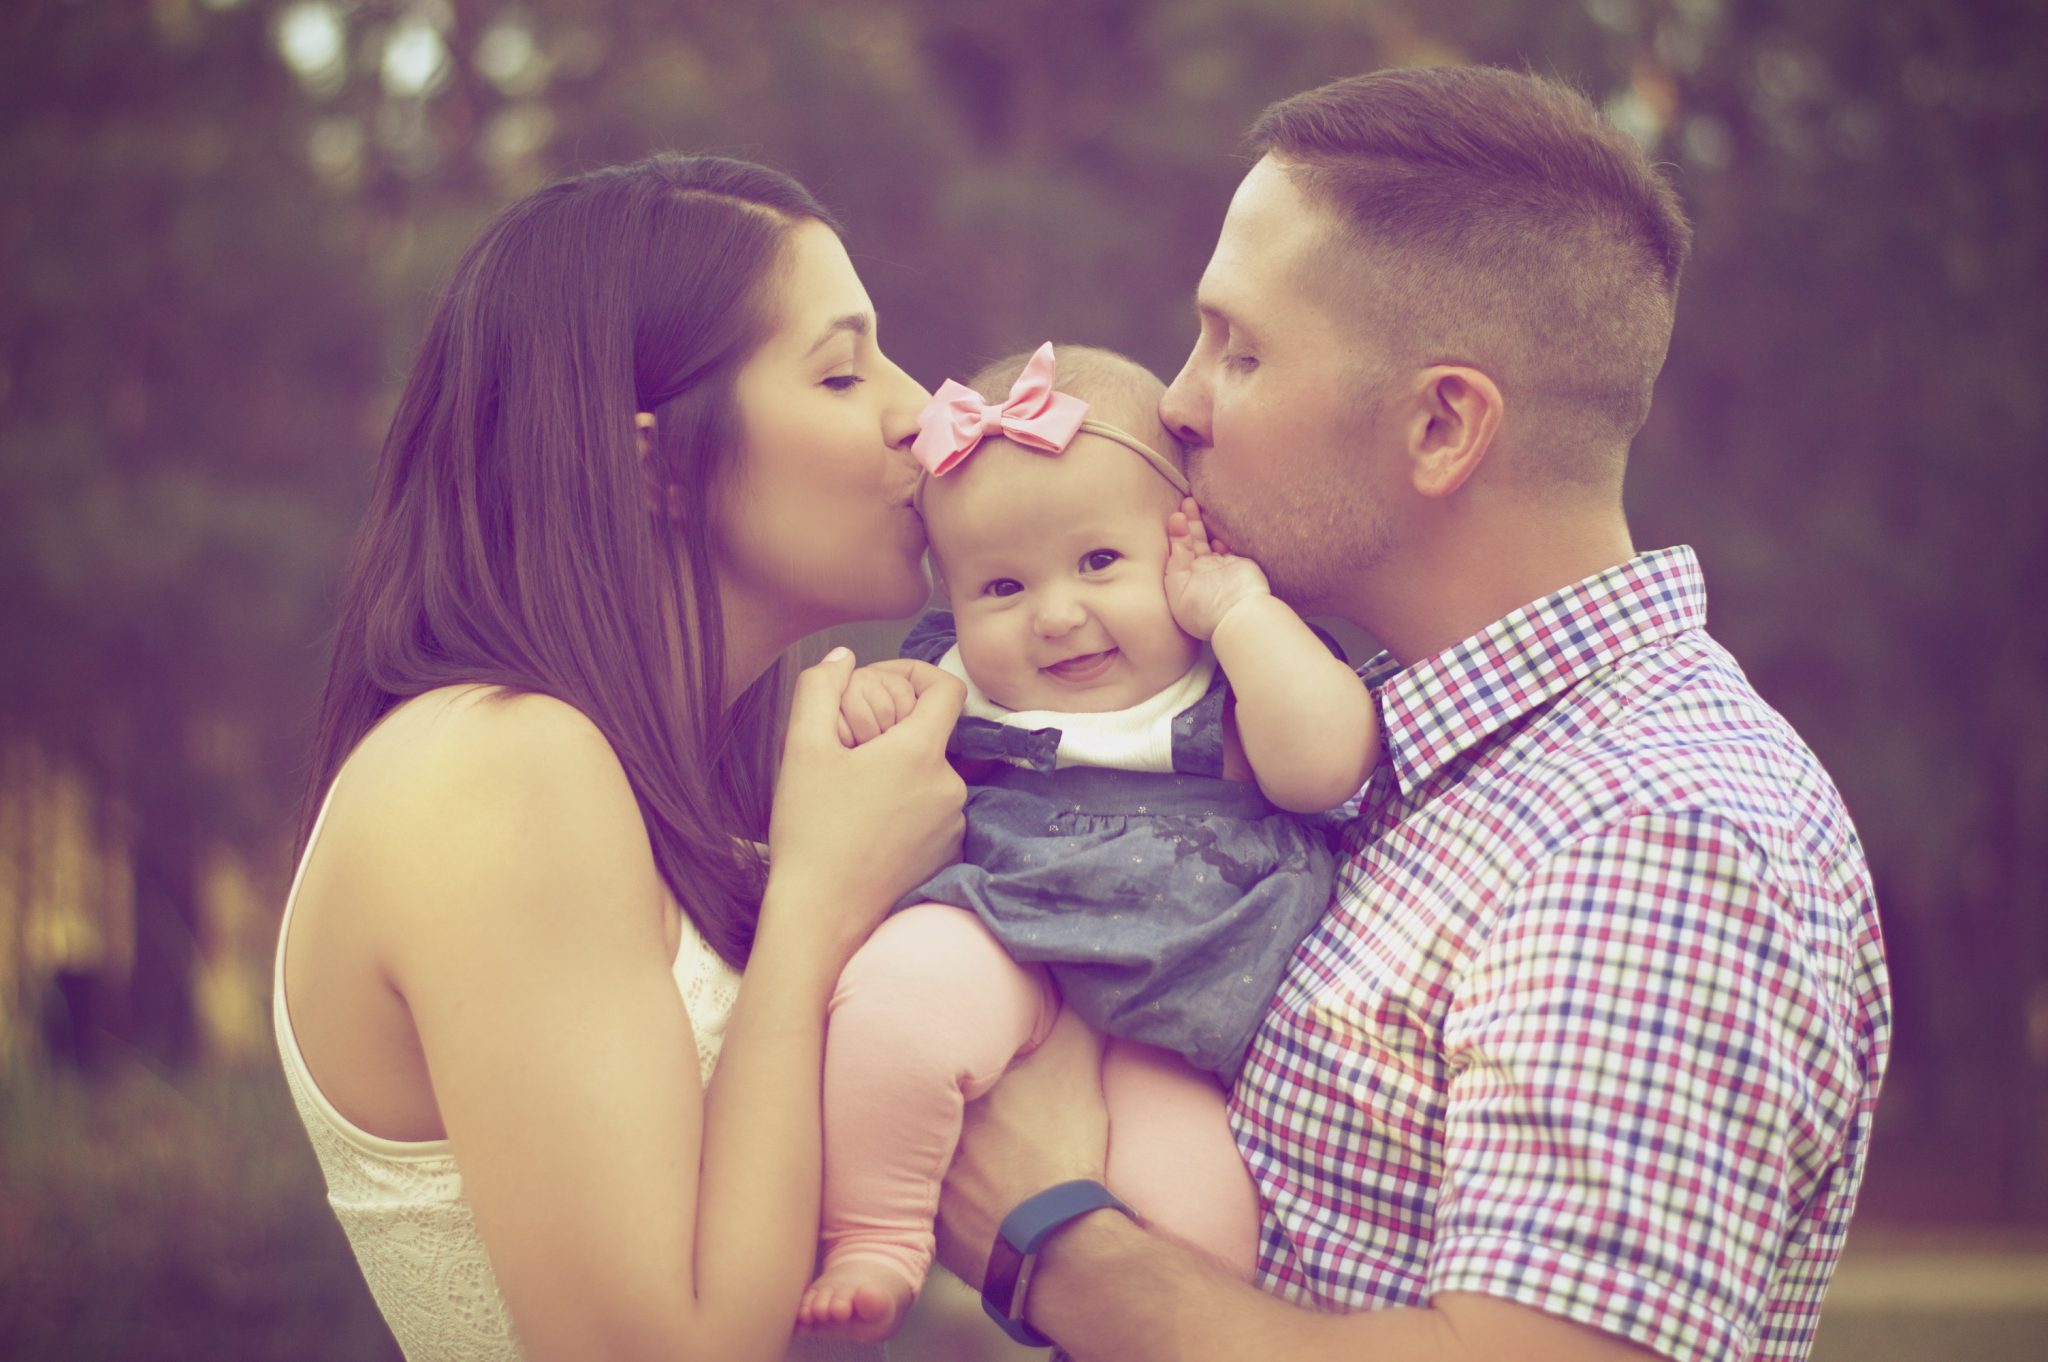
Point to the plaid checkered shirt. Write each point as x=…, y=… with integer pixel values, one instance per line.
x=1598, y=1014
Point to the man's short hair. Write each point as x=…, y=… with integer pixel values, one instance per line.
x=1496, y=219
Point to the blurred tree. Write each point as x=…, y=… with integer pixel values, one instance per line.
x=187, y=366
x=1852, y=426
x=226, y=219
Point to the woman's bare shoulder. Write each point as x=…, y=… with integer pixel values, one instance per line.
x=484, y=743
x=503, y=787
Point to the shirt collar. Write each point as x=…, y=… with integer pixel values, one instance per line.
x=1446, y=704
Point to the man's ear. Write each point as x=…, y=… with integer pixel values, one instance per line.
x=1455, y=418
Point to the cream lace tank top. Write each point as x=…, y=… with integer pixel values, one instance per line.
x=401, y=1204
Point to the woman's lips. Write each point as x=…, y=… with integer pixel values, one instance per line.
x=1086, y=667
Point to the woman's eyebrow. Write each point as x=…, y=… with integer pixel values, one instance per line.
x=856, y=322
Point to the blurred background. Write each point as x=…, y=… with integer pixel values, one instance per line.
x=221, y=222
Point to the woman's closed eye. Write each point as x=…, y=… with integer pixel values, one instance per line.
x=1098, y=560
x=840, y=383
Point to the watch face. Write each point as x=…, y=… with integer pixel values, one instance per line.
x=1003, y=1284
x=1006, y=1281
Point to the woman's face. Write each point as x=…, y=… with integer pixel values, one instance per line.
x=816, y=527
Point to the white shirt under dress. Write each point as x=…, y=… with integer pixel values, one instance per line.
x=400, y=1202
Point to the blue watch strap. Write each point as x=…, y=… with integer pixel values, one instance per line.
x=1023, y=1231
x=1036, y=1217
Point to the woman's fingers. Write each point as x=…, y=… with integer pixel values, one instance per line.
x=814, y=703
x=877, y=820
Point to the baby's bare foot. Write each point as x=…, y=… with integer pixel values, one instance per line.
x=858, y=1299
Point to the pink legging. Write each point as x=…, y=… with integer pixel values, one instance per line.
x=927, y=1016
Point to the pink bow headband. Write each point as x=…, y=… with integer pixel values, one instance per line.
x=1035, y=416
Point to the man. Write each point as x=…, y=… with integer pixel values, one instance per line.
x=1582, y=1061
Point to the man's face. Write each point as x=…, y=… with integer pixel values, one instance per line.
x=1290, y=447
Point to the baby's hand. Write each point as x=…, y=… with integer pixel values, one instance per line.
x=879, y=696
x=1203, y=577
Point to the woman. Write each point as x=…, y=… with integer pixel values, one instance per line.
x=649, y=443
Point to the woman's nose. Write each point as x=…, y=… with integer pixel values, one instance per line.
x=907, y=401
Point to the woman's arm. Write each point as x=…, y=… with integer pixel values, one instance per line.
x=1308, y=725
x=852, y=831
x=526, y=930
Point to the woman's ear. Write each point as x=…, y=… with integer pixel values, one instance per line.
x=664, y=499
x=1458, y=414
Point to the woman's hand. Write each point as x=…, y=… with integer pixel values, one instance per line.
x=1204, y=579
x=1042, y=1125
x=861, y=826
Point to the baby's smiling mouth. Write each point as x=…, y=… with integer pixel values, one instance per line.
x=1086, y=667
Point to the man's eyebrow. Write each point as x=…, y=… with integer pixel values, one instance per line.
x=856, y=322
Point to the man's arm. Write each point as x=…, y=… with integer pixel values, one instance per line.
x=1106, y=1288
x=1647, y=1080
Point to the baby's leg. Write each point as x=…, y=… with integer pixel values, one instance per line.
x=927, y=1016
x=1171, y=1154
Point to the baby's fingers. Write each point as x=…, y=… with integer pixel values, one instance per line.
x=939, y=700
x=900, y=695
x=1197, y=533
x=857, y=712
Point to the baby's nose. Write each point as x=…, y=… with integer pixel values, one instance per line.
x=1056, y=617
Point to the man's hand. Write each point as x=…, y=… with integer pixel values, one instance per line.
x=1043, y=1124
x=1203, y=577
x=879, y=696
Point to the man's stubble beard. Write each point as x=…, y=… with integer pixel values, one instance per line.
x=1318, y=566
x=1313, y=544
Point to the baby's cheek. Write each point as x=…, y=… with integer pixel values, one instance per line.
x=990, y=661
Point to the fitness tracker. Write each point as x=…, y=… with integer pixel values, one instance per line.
x=1015, y=1252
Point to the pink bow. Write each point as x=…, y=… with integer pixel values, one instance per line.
x=956, y=419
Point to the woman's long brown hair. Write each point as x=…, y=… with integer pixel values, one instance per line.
x=516, y=538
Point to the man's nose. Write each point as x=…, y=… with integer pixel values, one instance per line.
x=1184, y=409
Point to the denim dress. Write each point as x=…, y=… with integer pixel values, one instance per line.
x=1165, y=905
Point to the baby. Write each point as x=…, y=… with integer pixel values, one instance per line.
x=1143, y=718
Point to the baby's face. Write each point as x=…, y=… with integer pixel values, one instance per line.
x=1054, y=563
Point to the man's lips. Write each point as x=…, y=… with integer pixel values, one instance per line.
x=1086, y=667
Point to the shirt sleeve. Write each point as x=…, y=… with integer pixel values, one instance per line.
x=1644, y=1089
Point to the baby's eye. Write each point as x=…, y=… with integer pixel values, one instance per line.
x=1003, y=586
x=840, y=383
x=1095, y=560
